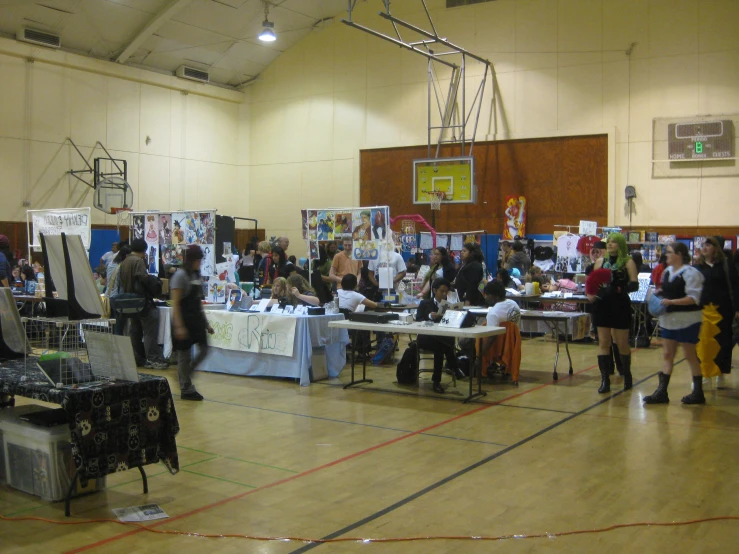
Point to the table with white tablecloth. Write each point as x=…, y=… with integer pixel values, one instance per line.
x=312, y=336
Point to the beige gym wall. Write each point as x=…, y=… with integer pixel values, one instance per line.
x=561, y=68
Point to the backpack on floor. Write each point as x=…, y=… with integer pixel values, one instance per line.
x=385, y=351
x=407, y=373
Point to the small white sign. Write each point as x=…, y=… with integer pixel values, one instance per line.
x=588, y=227
x=148, y=512
x=263, y=303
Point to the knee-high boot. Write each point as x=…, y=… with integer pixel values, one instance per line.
x=605, y=365
x=617, y=359
x=660, y=395
x=626, y=366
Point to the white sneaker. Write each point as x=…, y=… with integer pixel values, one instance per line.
x=707, y=383
x=721, y=381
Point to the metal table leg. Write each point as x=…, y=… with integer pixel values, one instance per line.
x=364, y=364
x=476, y=368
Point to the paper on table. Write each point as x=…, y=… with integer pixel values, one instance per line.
x=148, y=512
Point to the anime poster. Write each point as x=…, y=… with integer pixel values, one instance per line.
x=515, y=217
x=312, y=225
x=226, y=271
x=172, y=254
x=138, y=226
x=365, y=250
x=408, y=243
x=379, y=222
x=207, y=266
x=216, y=291
x=325, y=227
x=151, y=227
x=314, y=251
x=178, y=228
x=165, y=229
x=304, y=225
x=152, y=259
x=362, y=220
x=234, y=300
x=343, y=225
x=207, y=231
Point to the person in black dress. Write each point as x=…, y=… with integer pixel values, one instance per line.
x=719, y=301
x=441, y=266
x=612, y=310
x=429, y=310
x=467, y=282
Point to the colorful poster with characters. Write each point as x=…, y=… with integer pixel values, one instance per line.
x=343, y=225
x=362, y=220
x=137, y=226
x=216, y=292
x=207, y=232
x=312, y=225
x=515, y=217
x=152, y=259
x=379, y=222
x=304, y=226
x=178, y=228
x=365, y=250
x=151, y=229
x=172, y=254
x=325, y=226
x=165, y=229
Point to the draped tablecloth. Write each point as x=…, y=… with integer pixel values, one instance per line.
x=114, y=426
x=311, y=333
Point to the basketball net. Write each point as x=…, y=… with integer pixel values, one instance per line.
x=123, y=217
x=436, y=197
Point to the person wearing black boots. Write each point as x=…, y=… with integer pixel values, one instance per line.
x=612, y=310
x=682, y=286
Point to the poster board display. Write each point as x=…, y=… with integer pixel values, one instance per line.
x=71, y=221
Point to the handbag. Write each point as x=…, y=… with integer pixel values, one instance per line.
x=129, y=304
x=654, y=303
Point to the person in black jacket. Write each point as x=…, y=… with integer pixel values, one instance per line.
x=430, y=310
x=719, y=302
x=441, y=267
x=470, y=275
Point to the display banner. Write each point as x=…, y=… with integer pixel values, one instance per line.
x=252, y=332
x=73, y=221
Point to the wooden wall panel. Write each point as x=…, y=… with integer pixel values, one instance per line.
x=564, y=180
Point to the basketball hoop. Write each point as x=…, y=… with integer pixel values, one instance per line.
x=436, y=197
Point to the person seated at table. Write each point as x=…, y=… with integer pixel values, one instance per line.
x=279, y=291
x=504, y=278
x=28, y=277
x=350, y=299
x=500, y=308
x=516, y=278
x=431, y=310
x=300, y=292
x=536, y=275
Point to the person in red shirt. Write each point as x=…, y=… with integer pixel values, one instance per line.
x=658, y=270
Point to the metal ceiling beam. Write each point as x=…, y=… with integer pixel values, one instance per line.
x=160, y=19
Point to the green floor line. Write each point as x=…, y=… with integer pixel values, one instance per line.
x=25, y=511
x=219, y=478
x=237, y=459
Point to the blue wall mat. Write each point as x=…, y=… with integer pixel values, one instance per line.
x=100, y=244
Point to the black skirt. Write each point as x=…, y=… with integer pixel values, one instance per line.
x=613, y=311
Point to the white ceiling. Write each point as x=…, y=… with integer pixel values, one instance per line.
x=218, y=36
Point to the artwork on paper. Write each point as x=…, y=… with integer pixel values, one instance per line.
x=165, y=229
x=226, y=271
x=253, y=332
x=325, y=228
x=343, y=225
x=408, y=242
x=666, y=239
x=379, y=222
x=234, y=299
x=152, y=229
x=312, y=225
x=138, y=226
x=314, y=250
x=427, y=242
x=216, y=291
x=362, y=220
x=173, y=254
x=178, y=228
x=227, y=253
x=442, y=241
x=207, y=266
x=304, y=224
x=472, y=238
x=208, y=228
x=515, y=217
x=408, y=227
x=152, y=259
x=365, y=250
x=457, y=242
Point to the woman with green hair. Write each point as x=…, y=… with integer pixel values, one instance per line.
x=612, y=310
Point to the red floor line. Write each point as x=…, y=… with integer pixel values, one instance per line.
x=316, y=469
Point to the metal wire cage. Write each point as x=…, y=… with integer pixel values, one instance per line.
x=56, y=350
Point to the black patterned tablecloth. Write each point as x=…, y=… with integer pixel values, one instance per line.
x=114, y=426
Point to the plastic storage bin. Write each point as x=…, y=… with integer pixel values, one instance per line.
x=38, y=460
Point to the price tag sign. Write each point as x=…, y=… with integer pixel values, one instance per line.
x=588, y=227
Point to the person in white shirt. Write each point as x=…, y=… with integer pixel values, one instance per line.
x=349, y=299
x=391, y=260
x=501, y=309
x=108, y=256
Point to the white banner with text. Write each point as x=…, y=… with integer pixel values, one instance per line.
x=252, y=332
x=73, y=221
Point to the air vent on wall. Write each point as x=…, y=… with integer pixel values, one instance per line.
x=39, y=37
x=184, y=72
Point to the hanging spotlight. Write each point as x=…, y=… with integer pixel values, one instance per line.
x=267, y=34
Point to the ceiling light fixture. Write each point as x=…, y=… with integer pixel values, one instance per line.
x=267, y=34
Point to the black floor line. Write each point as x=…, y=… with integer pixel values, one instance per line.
x=459, y=473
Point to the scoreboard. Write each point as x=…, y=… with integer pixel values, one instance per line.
x=701, y=140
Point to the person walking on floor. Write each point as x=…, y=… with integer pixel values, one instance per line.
x=682, y=286
x=612, y=309
x=189, y=325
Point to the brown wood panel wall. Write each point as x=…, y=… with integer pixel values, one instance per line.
x=564, y=179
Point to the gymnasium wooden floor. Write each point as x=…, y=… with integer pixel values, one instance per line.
x=270, y=458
